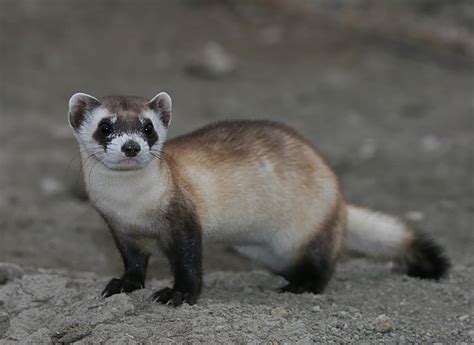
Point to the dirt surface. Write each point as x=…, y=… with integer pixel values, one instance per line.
x=242, y=307
x=395, y=122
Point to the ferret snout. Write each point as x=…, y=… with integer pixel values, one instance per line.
x=131, y=148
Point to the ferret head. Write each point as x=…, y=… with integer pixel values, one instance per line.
x=123, y=133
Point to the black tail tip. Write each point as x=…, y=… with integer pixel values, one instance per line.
x=426, y=259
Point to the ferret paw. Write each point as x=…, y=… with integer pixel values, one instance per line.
x=299, y=288
x=173, y=297
x=119, y=285
x=292, y=288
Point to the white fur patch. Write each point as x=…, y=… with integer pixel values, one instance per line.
x=374, y=234
x=129, y=198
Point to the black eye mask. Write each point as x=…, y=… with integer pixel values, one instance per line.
x=103, y=133
x=149, y=133
x=106, y=130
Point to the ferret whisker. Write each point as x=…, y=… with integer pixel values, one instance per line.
x=164, y=165
x=77, y=155
x=88, y=158
x=83, y=164
x=99, y=160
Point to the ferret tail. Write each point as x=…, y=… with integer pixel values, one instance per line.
x=377, y=235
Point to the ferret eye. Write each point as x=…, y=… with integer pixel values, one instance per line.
x=148, y=130
x=105, y=128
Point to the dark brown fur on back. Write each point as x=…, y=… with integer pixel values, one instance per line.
x=240, y=142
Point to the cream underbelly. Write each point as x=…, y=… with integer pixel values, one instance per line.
x=274, y=238
x=274, y=247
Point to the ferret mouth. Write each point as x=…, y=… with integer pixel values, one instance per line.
x=127, y=164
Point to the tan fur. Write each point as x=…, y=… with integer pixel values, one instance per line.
x=258, y=184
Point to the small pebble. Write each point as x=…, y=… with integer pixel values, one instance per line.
x=383, y=324
x=279, y=312
x=3, y=317
x=74, y=334
x=9, y=272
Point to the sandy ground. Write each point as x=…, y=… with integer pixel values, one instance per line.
x=396, y=123
x=242, y=308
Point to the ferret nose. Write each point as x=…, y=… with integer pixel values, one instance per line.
x=131, y=148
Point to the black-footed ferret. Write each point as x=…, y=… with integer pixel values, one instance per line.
x=255, y=185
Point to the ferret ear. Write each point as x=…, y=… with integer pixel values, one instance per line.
x=79, y=105
x=161, y=105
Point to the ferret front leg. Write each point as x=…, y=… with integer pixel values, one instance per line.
x=135, y=263
x=184, y=252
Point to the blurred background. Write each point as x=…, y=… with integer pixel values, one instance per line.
x=383, y=88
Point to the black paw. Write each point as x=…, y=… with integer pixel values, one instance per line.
x=174, y=297
x=291, y=288
x=300, y=288
x=119, y=285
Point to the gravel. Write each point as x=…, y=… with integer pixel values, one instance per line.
x=9, y=272
x=56, y=306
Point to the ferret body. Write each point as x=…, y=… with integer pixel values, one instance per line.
x=257, y=186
